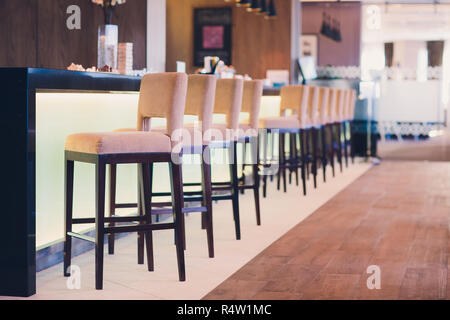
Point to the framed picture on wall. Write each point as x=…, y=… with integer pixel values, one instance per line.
x=212, y=34
x=309, y=46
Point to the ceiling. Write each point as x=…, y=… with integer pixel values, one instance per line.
x=406, y=22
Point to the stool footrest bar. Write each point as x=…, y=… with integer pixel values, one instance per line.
x=245, y=187
x=215, y=198
x=141, y=228
x=108, y=219
x=81, y=236
x=125, y=205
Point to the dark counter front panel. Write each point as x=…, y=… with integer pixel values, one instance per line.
x=18, y=87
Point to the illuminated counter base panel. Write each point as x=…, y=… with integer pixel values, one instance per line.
x=33, y=141
x=40, y=108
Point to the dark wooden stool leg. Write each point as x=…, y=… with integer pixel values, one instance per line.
x=112, y=204
x=303, y=158
x=324, y=153
x=339, y=142
x=297, y=157
x=307, y=144
x=352, y=147
x=283, y=160
x=235, y=188
x=244, y=158
x=265, y=186
x=345, y=144
x=293, y=158
x=280, y=159
x=330, y=128
x=265, y=142
x=177, y=205
x=291, y=155
x=204, y=215
x=99, y=222
x=140, y=235
x=272, y=150
x=207, y=199
x=68, y=199
x=256, y=179
x=314, y=155
x=145, y=186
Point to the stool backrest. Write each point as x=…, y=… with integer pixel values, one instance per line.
x=313, y=105
x=228, y=100
x=344, y=110
x=352, y=103
x=291, y=97
x=162, y=95
x=332, y=102
x=303, y=112
x=339, y=105
x=251, y=100
x=201, y=91
x=324, y=93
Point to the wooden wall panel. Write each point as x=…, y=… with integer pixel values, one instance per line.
x=132, y=20
x=346, y=52
x=58, y=46
x=18, y=33
x=257, y=44
x=40, y=38
x=260, y=44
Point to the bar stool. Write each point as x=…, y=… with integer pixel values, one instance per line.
x=312, y=122
x=249, y=134
x=351, y=124
x=161, y=95
x=329, y=120
x=294, y=99
x=322, y=121
x=337, y=121
x=192, y=139
x=348, y=124
x=228, y=102
x=344, y=115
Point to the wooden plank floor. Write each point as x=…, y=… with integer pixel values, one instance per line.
x=396, y=216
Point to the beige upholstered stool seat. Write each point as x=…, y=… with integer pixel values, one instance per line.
x=287, y=122
x=246, y=130
x=118, y=142
x=193, y=136
x=220, y=132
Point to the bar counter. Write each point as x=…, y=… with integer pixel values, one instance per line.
x=40, y=108
x=19, y=88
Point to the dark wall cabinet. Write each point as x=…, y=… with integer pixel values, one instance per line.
x=34, y=33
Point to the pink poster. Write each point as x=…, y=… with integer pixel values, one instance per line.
x=213, y=37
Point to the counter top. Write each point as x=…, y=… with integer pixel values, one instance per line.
x=18, y=88
x=72, y=80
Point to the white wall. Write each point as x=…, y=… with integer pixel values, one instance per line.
x=156, y=35
x=406, y=53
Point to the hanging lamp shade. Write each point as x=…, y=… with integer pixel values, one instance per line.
x=271, y=10
x=243, y=3
x=254, y=6
x=262, y=6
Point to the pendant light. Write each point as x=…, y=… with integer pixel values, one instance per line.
x=255, y=6
x=271, y=10
x=243, y=3
x=263, y=7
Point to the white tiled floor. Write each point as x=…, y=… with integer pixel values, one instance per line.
x=125, y=279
